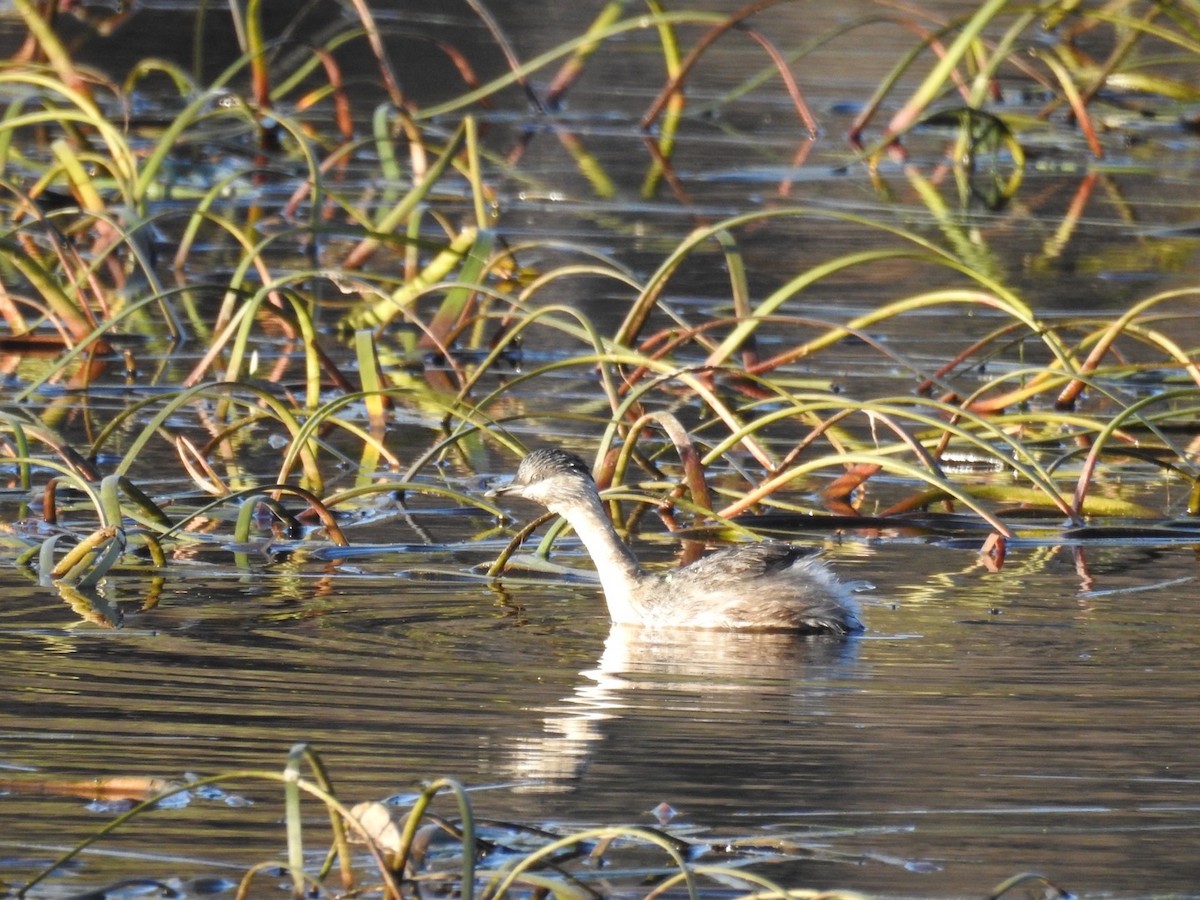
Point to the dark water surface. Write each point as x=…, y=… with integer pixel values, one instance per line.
x=1045, y=717
x=987, y=724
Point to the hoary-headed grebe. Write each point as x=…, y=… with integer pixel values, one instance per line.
x=767, y=586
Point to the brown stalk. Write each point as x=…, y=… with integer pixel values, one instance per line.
x=675, y=84
x=689, y=457
x=789, y=81
x=376, y=42
x=667, y=171
x=510, y=56
x=837, y=493
x=854, y=135
x=343, y=118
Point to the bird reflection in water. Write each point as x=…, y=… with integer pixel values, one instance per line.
x=679, y=688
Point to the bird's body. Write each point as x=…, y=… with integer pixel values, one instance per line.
x=766, y=586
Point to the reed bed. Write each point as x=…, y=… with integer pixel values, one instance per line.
x=436, y=314
x=407, y=297
x=322, y=310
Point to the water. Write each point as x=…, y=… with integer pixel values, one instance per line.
x=1043, y=717
x=1038, y=719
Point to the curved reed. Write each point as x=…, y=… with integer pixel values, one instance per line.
x=414, y=254
x=473, y=305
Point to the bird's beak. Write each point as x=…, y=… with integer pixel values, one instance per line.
x=498, y=490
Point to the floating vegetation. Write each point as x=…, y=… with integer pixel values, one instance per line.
x=337, y=303
x=396, y=849
x=248, y=312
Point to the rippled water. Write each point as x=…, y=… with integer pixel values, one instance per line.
x=1044, y=717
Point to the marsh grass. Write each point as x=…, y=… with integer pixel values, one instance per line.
x=971, y=53
x=343, y=307
x=394, y=851
x=444, y=333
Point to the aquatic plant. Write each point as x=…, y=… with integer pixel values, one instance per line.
x=1046, y=44
x=478, y=858
x=363, y=329
x=338, y=304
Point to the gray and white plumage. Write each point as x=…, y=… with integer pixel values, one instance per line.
x=767, y=586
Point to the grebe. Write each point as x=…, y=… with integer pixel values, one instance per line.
x=767, y=586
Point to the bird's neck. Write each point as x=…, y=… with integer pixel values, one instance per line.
x=615, y=563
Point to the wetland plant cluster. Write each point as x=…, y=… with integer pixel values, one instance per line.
x=330, y=268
